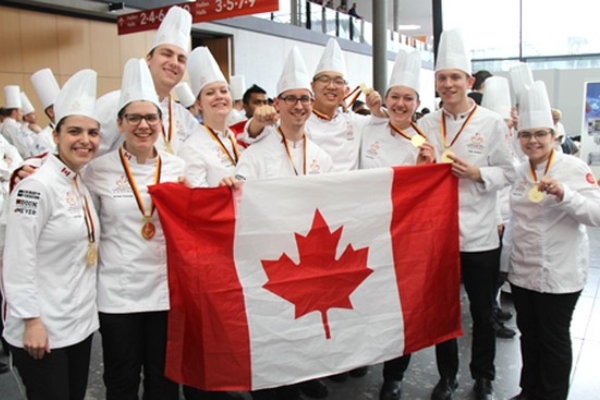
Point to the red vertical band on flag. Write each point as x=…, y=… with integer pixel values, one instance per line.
x=425, y=243
x=208, y=341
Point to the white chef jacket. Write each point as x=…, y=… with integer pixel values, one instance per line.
x=21, y=138
x=184, y=124
x=205, y=161
x=132, y=271
x=482, y=144
x=340, y=137
x=45, y=269
x=546, y=243
x=381, y=146
x=7, y=151
x=268, y=158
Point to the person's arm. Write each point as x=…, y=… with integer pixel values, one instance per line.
x=29, y=211
x=579, y=196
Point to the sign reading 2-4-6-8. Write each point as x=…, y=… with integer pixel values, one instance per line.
x=201, y=10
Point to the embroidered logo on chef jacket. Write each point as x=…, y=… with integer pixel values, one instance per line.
x=521, y=188
x=315, y=167
x=349, y=131
x=122, y=188
x=476, y=144
x=373, y=150
x=73, y=207
x=27, y=202
x=222, y=156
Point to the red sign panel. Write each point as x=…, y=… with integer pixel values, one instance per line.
x=201, y=10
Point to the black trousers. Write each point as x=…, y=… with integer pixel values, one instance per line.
x=479, y=276
x=132, y=343
x=61, y=374
x=544, y=320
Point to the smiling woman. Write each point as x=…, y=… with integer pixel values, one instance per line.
x=212, y=154
x=51, y=254
x=133, y=295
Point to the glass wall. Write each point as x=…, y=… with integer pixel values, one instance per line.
x=527, y=29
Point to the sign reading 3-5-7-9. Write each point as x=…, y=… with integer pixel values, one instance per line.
x=201, y=10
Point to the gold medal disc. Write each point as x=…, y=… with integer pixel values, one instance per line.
x=447, y=152
x=92, y=254
x=148, y=230
x=417, y=140
x=168, y=148
x=534, y=195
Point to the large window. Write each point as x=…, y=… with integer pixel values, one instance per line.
x=522, y=29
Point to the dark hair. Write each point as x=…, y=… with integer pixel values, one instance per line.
x=357, y=104
x=480, y=77
x=251, y=90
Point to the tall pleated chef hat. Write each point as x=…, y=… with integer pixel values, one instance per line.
x=175, y=29
x=237, y=83
x=184, y=94
x=406, y=70
x=294, y=74
x=497, y=96
x=453, y=52
x=332, y=59
x=203, y=69
x=12, y=97
x=77, y=96
x=521, y=79
x=45, y=86
x=137, y=83
x=26, y=105
x=534, y=109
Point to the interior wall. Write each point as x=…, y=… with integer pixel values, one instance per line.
x=32, y=40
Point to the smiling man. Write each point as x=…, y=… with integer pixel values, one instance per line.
x=472, y=139
x=167, y=59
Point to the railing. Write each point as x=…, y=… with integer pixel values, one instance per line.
x=318, y=18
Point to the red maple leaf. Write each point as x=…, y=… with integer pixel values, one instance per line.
x=319, y=282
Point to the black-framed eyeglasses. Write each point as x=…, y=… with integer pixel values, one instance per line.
x=136, y=119
x=537, y=135
x=326, y=80
x=292, y=100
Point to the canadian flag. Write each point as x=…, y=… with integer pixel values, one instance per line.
x=286, y=280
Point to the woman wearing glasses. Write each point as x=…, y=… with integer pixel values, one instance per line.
x=211, y=154
x=49, y=271
x=133, y=294
x=553, y=198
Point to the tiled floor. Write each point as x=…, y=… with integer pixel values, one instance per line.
x=422, y=374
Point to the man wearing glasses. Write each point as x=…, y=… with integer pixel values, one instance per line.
x=285, y=150
x=331, y=126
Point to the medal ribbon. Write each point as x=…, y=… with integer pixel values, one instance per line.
x=353, y=95
x=87, y=214
x=404, y=135
x=236, y=155
x=461, y=128
x=167, y=138
x=131, y=180
x=532, y=169
x=289, y=154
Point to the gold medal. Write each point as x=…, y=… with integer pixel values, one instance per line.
x=417, y=140
x=168, y=148
x=445, y=155
x=534, y=195
x=148, y=230
x=92, y=254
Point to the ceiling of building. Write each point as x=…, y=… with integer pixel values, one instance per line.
x=412, y=12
